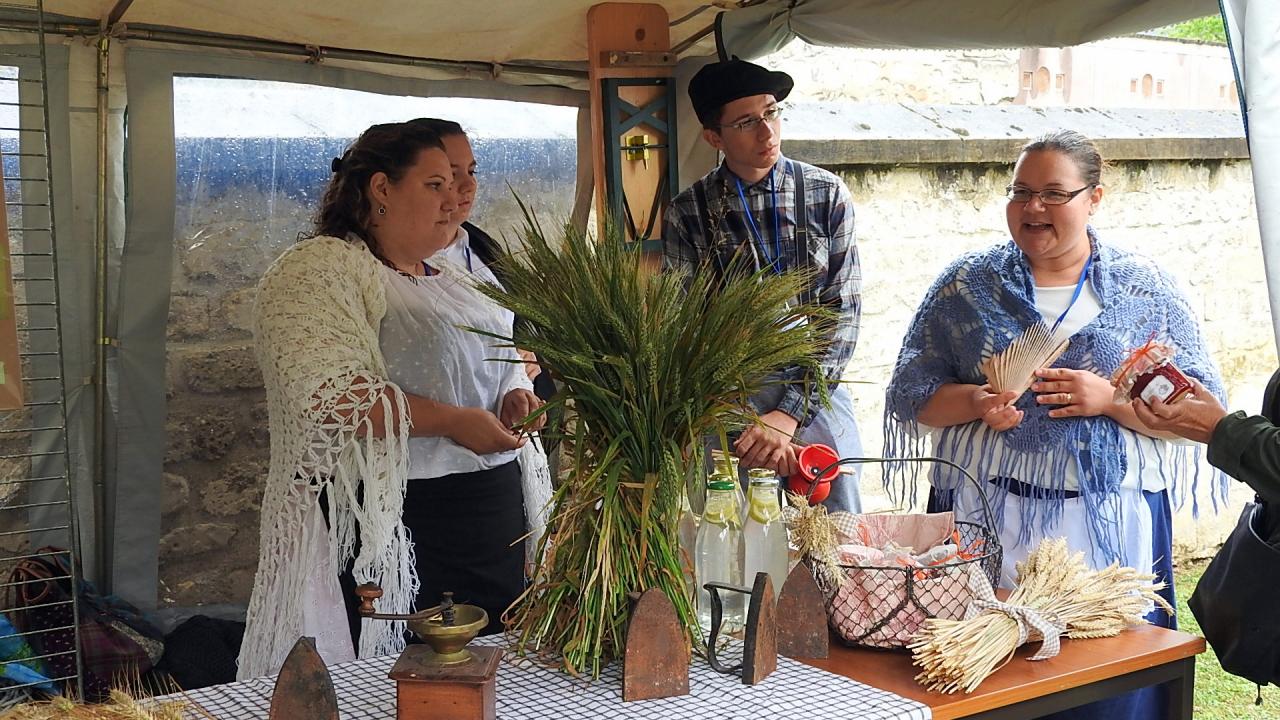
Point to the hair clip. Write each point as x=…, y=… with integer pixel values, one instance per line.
x=335, y=165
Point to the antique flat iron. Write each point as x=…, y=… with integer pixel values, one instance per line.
x=443, y=679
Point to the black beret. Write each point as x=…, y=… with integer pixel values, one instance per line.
x=720, y=83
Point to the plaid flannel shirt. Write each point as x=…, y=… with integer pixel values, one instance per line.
x=832, y=253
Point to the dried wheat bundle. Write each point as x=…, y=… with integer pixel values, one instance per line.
x=1056, y=591
x=814, y=534
x=120, y=705
x=1014, y=367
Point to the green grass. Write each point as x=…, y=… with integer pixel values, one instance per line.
x=1219, y=694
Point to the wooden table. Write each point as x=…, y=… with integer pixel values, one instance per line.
x=1085, y=671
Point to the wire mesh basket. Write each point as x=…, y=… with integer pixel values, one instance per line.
x=883, y=607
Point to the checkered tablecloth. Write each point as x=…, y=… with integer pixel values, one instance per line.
x=527, y=691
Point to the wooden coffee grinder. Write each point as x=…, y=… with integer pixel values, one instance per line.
x=443, y=679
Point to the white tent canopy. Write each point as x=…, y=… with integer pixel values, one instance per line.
x=542, y=31
x=518, y=49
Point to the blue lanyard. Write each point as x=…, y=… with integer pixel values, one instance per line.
x=776, y=261
x=1084, y=275
x=468, y=251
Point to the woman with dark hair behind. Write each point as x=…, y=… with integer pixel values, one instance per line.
x=394, y=432
x=472, y=247
x=1064, y=460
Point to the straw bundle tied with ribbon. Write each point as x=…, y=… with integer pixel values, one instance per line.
x=1057, y=595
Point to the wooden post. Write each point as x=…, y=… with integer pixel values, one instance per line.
x=10, y=363
x=630, y=41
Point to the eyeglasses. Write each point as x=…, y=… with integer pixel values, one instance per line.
x=1048, y=197
x=770, y=115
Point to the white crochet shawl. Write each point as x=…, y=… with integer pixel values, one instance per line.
x=315, y=327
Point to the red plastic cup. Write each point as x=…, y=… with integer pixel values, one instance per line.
x=813, y=459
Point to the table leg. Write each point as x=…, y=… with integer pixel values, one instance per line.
x=1181, y=690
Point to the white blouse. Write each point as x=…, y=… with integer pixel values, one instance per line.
x=429, y=352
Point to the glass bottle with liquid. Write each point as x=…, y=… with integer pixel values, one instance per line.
x=718, y=557
x=764, y=534
x=726, y=464
x=688, y=537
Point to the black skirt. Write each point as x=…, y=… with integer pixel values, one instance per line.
x=466, y=530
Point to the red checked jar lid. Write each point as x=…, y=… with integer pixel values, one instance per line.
x=1149, y=373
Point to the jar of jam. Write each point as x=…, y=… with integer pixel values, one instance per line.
x=1149, y=373
x=1164, y=381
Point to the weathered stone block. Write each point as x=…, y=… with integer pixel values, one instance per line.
x=204, y=432
x=237, y=490
x=187, y=589
x=191, y=540
x=235, y=310
x=259, y=427
x=188, y=316
x=223, y=370
x=177, y=493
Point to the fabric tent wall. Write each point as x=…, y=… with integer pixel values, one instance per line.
x=1253, y=27
x=147, y=264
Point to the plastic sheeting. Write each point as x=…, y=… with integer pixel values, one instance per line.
x=1253, y=27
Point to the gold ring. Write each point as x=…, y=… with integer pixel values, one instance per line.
x=1068, y=399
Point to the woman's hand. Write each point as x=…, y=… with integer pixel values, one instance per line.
x=481, y=432
x=996, y=409
x=531, y=367
x=1078, y=393
x=518, y=405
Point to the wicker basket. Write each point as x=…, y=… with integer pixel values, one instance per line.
x=883, y=607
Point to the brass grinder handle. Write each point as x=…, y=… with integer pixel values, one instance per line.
x=369, y=592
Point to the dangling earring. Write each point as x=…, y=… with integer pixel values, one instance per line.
x=382, y=209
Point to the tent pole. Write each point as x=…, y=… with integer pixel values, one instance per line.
x=101, y=554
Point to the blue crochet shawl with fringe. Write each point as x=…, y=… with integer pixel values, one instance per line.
x=979, y=304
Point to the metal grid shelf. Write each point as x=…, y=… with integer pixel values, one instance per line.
x=37, y=508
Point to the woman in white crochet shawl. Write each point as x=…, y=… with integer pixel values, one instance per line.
x=396, y=448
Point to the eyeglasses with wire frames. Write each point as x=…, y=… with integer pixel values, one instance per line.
x=1019, y=194
x=771, y=115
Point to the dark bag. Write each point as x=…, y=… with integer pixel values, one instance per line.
x=116, y=644
x=201, y=652
x=1237, y=601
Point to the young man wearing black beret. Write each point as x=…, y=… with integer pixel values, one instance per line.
x=761, y=211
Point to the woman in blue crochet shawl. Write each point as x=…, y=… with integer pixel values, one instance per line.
x=1063, y=459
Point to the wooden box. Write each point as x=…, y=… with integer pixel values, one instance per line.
x=457, y=692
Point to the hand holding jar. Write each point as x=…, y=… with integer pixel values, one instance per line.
x=1149, y=374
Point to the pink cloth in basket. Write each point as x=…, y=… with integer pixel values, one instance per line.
x=867, y=596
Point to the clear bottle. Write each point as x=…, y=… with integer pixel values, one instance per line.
x=764, y=534
x=688, y=536
x=718, y=557
x=726, y=464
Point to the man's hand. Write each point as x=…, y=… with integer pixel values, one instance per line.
x=767, y=444
x=1193, y=417
x=518, y=405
